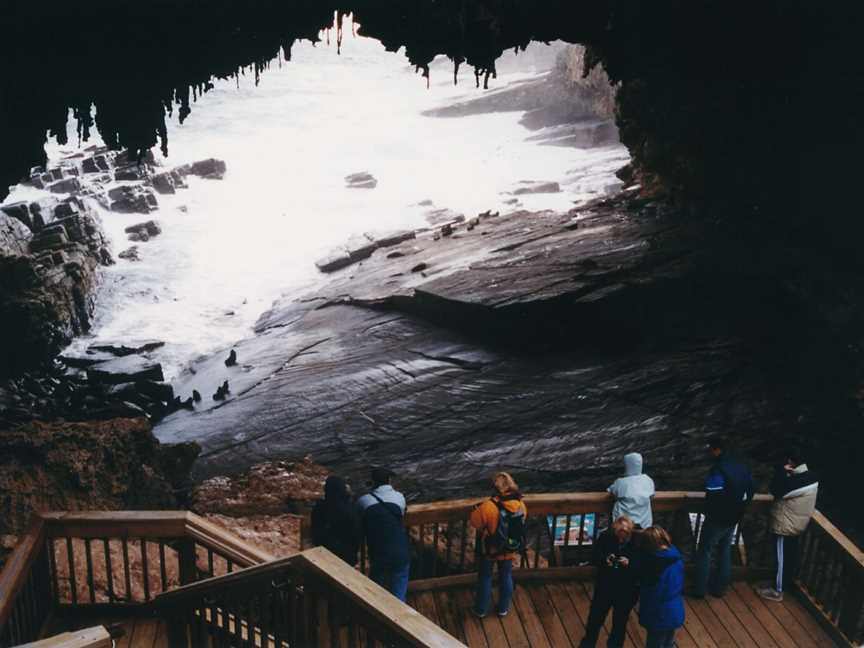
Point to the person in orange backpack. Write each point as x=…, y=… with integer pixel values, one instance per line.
x=501, y=523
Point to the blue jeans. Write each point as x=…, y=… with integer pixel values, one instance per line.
x=714, y=536
x=393, y=579
x=484, y=585
x=660, y=639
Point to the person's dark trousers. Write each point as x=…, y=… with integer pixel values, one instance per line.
x=392, y=578
x=604, y=598
x=660, y=638
x=715, y=539
x=786, y=557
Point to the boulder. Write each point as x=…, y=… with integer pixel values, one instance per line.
x=389, y=239
x=164, y=183
x=158, y=391
x=150, y=227
x=95, y=164
x=129, y=199
x=121, y=349
x=66, y=209
x=359, y=248
x=69, y=185
x=534, y=187
x=49, y=238
x=15, y=237
x=132, y=172
x=210, y=168
x=84, y=360
x=362, y=180
x=335, y=261
x=130, y=254
x=130, y=368
x=19, y=210
x=56, y=173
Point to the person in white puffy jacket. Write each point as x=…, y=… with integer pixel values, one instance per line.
x=633, y=493
x=794, y=488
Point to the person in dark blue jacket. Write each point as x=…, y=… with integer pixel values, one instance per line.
x=728, y=491
x=661, y=606
x=382, y=513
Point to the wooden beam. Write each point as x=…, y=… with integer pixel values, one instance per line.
x=224, y=543
x=375, y=601
x=96, y=637
x=115, y=524
x=17, y=569
x=855, y=554
x=564, y=503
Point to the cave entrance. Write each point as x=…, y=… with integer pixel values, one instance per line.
x=342, y=142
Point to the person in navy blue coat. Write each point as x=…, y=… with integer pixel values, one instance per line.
x=661, y=606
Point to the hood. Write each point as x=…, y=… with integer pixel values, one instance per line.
x=335, y=489
x=632, y=464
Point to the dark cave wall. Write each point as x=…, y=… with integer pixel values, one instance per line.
x=701, y=82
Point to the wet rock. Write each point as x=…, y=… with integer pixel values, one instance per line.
x=210, y=168
x=15, y=237
x=126, y=369
x=534, y=187
x=362, y=180
x=120, y=349
x=143, y=231
x=336, y=260
x=231, y=360
x=66, y=209
x=389, y=239
x=85, y=360
x=443, y=216
x=19, y=210
x=70, y=185
x=158, y=391
x=130, y=254
x=95, y=164
x=49, y=238
x=131, y=173
x=129, y=199
x=164, y=183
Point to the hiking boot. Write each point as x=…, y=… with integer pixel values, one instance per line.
x=502, y=613
x=770, y=594
x=477, y=614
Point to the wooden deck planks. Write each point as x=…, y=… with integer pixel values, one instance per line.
x=553, y=615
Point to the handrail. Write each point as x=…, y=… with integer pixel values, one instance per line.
x=17, y=569
x=95, y=637
x=317, y=575
x=572, y=503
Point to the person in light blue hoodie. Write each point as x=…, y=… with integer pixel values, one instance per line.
x=661, y=605
x=633, y=493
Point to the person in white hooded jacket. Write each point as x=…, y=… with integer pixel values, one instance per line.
x=794, y=488
x=633, y=493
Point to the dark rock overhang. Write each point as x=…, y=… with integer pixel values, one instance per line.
x=700, y=81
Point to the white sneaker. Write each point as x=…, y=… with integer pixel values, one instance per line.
x=770, y=594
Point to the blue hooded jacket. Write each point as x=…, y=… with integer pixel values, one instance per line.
x=660, y=604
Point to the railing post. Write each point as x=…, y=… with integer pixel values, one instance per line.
x=177, y=632
x=188, y=561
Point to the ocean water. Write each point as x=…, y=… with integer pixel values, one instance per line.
x=230, y=248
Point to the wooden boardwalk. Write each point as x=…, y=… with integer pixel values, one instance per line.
x=553, y=615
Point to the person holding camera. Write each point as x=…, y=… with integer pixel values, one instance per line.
x=617, y=583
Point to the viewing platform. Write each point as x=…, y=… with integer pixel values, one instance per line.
x=170, y=578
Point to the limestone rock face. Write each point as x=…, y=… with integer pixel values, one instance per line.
x=48, y=279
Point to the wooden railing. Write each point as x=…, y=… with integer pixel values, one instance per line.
x=561, y=529
x=311, y=599
x=72, y=561
x=831, y=577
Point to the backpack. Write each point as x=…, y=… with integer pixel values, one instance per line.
x=509, y=537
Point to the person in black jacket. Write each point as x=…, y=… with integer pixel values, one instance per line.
x=334, y=523
x=616, y=585
x=728, y=491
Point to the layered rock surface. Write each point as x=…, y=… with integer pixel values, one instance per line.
x=547, y=344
